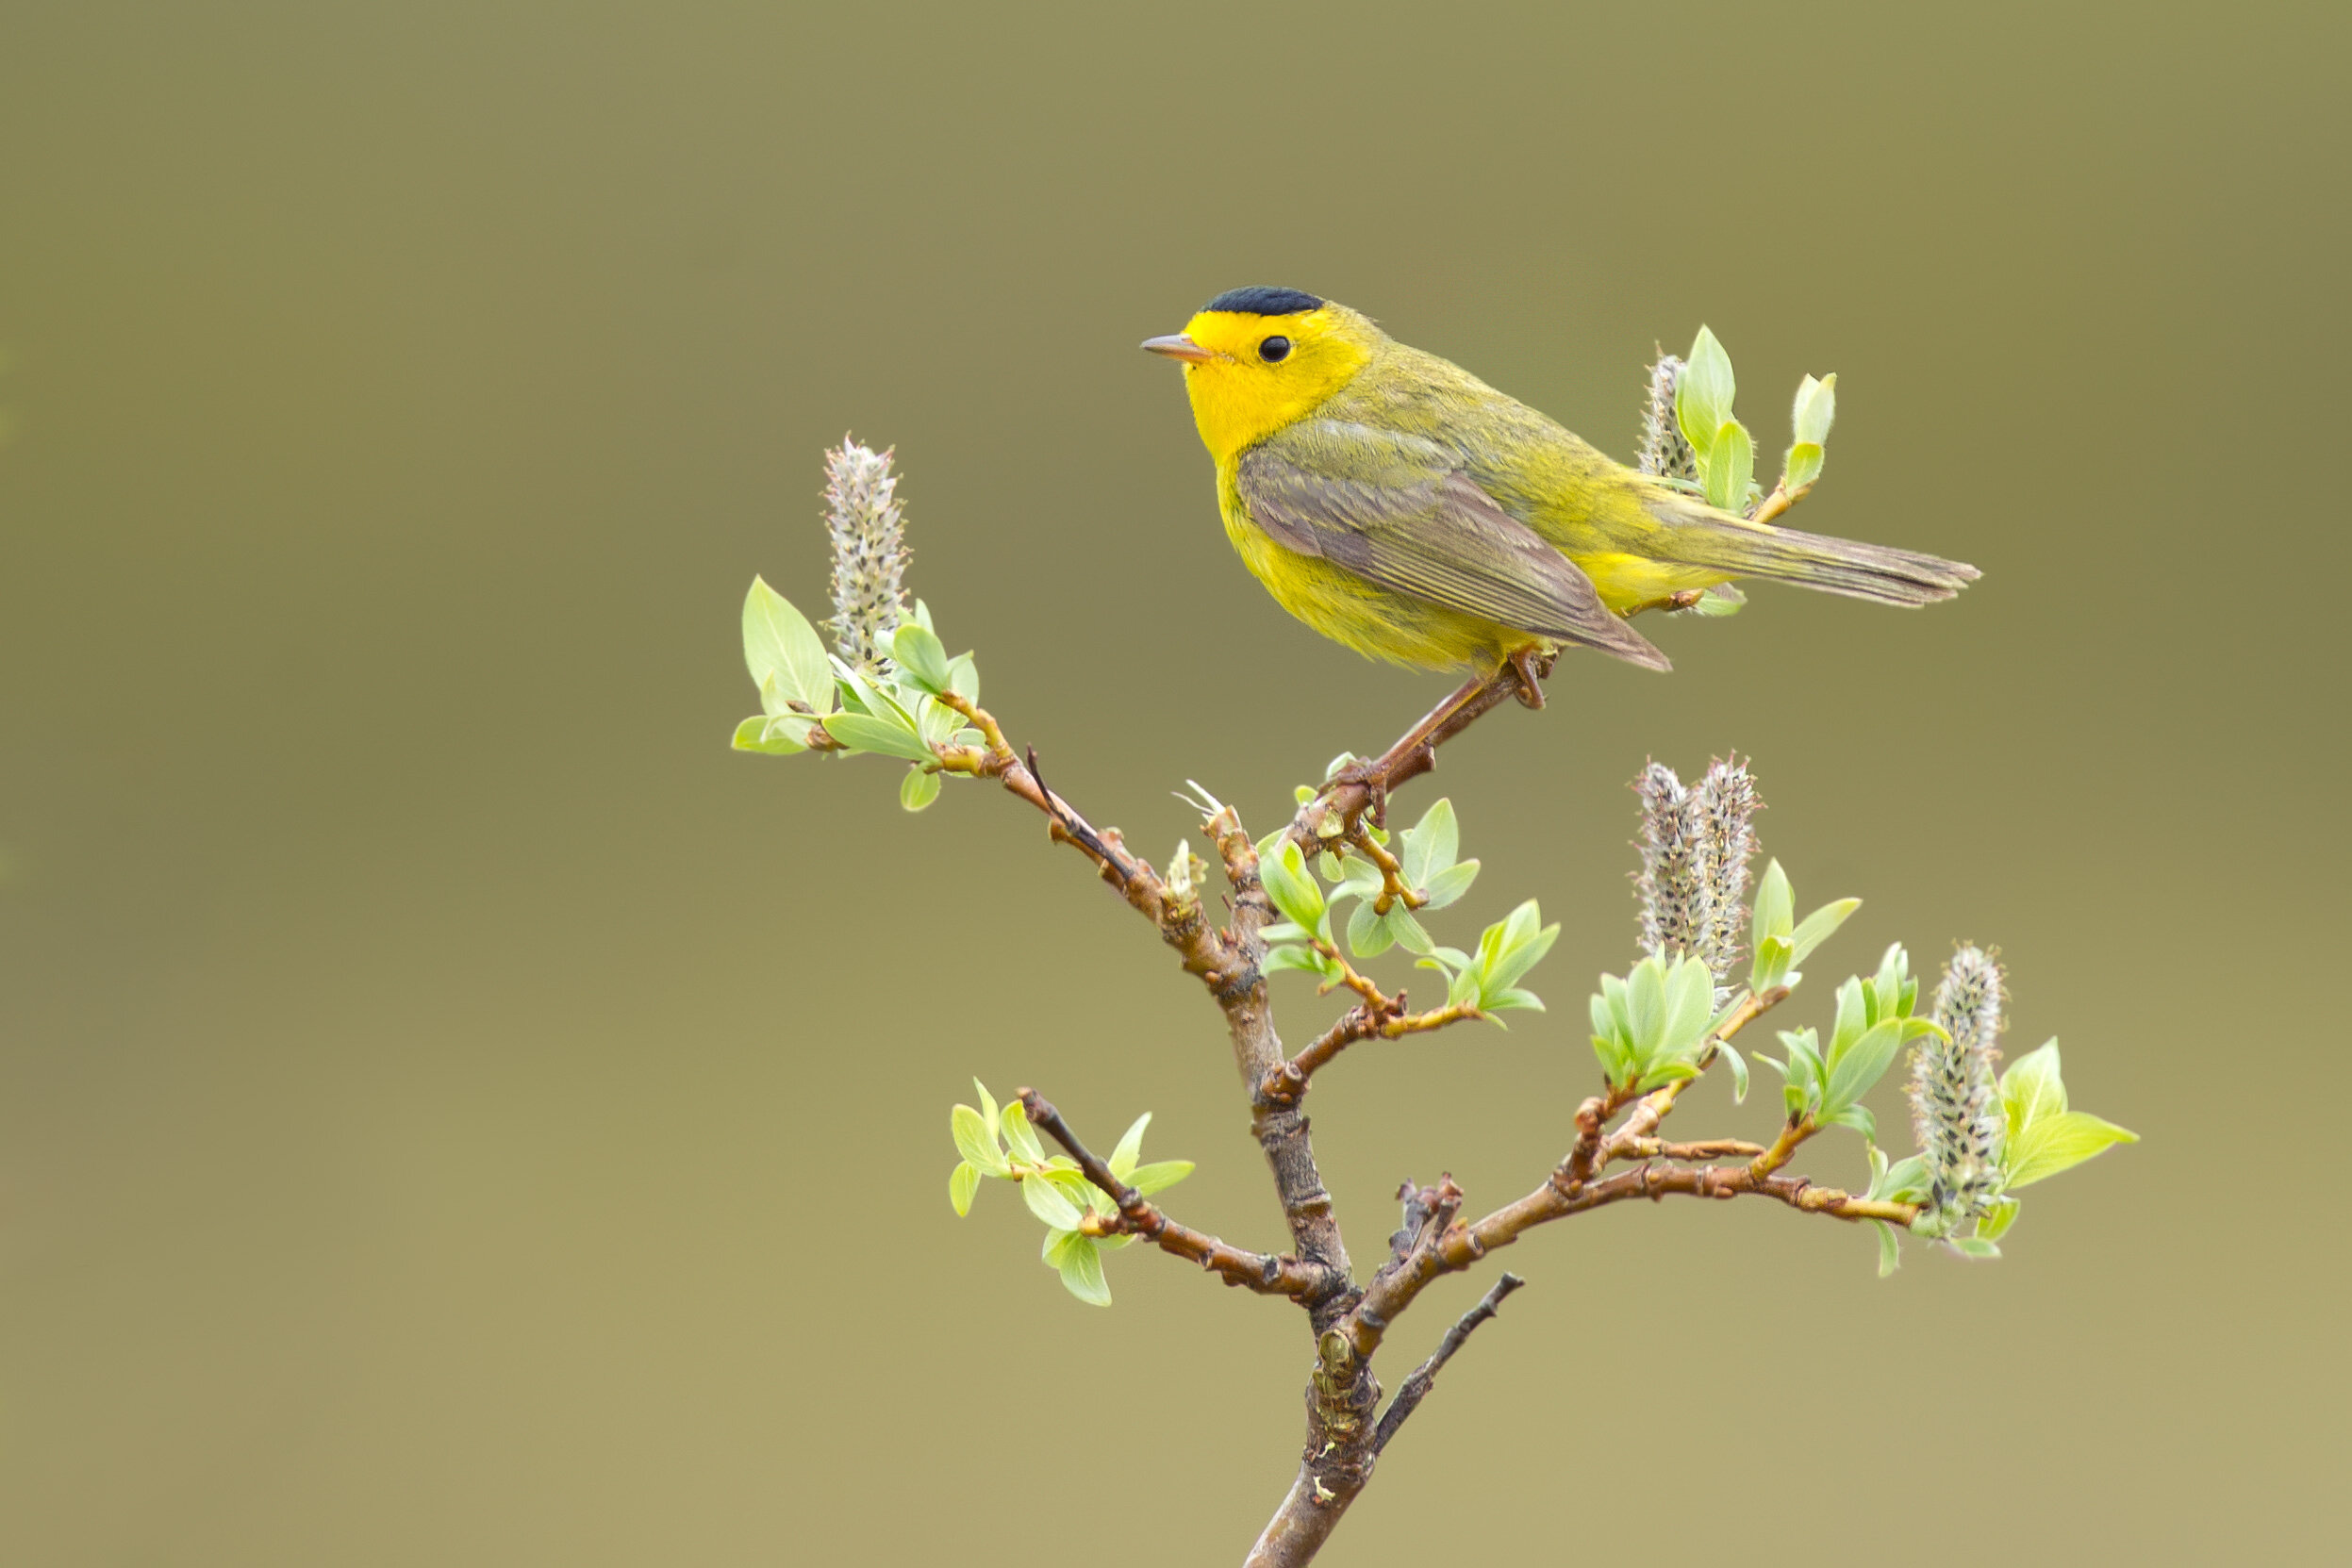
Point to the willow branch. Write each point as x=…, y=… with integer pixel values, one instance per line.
x=1226, y=961
x=1416, y=1384
x=1372, y=995
x=1138, y=1217
x=1288, y=1082
x=1458, y=1247
x=1708, y=1149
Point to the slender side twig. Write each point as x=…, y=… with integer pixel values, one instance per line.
x=1394, y=888
x=1227, y=962
x=1289, y=1080
x=1265, y=1274
x=1707, y=1148
x=1417, y=1382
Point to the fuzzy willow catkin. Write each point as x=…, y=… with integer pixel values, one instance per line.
x=1664, y=451
x=1695, y=847
x=1955, y=1103
x=867, y=527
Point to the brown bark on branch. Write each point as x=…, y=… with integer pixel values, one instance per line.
x=1138, y=1217
x=1227, y=962
x=1417, y=1385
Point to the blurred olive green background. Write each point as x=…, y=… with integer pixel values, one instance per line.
x=454, y=1110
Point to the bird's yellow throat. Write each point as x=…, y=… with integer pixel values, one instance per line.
x=1239, y=398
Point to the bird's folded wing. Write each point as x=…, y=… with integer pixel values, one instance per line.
x=1430, y=532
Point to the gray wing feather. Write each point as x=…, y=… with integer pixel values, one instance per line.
x=1436, y=535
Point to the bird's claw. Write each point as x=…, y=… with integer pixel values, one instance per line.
x=1371, y=777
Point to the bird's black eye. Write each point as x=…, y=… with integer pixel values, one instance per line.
x=1274, y=350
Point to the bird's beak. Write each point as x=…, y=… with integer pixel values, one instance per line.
x=1178, y=346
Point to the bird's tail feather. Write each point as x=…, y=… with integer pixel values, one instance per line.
x=1874, y=572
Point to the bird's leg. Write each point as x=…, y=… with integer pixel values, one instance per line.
x=1527, y=669
x=1365, y=785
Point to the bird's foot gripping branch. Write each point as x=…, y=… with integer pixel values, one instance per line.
x=1368, y=917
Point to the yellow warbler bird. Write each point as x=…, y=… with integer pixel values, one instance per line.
x=1398, y=505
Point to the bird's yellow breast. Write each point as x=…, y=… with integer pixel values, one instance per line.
x=1357, y=613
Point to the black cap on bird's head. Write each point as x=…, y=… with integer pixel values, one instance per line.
x=1259, y=358
x=1242, y=312
x=1259, y=300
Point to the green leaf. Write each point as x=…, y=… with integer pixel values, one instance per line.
x=916, y=648
x=1358, y=878
x=919, y=788
x=1613, y=997
x=1905, y=1181
x=873, y=698
x=2032, y=1089
x=2055, y=1143
x=1293, y=892
x=1019, y=1135
x=1158, y=1176
x=1408, y=932
x=866, y=733
x=1998, y=1217
x=1974, y=1247
x=964, y=678
x=1739, y=1071
x=1050, y=1203
x=1853, y=1017
x=1130, y=1147
x=1816, y=410
x=1854, y=1070
x=1776, y=904
x=1720, y=601
x=1430, y=845
x=1659, y=1077
x=963, y=1182
x=1890, y=1255
x=778, y=640
x=1082, y=1272
x=1818, y=927
x=1645, y=1006
x=1800, y=467
x=1703, y=402
x=974, y=1141
x=987, y=1110
x=1886, y=989
x=1368, y=935
x=1690, y=991
x=775, y=737
x=1616, y=1062
x=1515, y=1000
x=1731, y=465
x=1279, y=959
x=1772, y=968
x=1072, y=1185
x=1859, y=1118
x=935, y=721
x=1448, y=886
